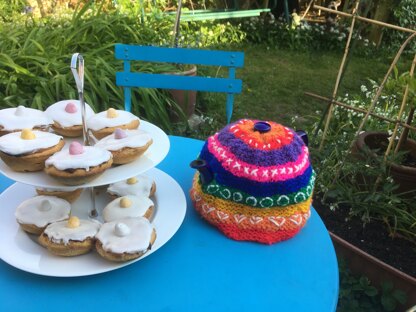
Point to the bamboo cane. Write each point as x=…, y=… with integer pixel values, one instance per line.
x=318, y=7
x=176, y=26
x=399, y=116
x=373, y=103
x=405, y=133
x=361, y=110
x=307, y=9
x=341, y=68
x=381, y=87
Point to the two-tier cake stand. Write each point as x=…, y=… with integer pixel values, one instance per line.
x=22, y=251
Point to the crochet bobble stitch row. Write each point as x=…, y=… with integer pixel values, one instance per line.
x=237, y=208
x=238, y=196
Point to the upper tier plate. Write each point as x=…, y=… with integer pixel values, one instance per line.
x=153, y=156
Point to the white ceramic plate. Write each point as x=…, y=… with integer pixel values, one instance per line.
x=20, y=249
x=153, y=156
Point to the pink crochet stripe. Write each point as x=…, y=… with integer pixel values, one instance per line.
x=242, y=169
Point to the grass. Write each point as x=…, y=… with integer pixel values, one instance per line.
x=274, y=82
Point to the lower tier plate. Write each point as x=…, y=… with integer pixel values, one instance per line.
x=22, y=251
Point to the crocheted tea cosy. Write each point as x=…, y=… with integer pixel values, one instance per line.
x=254, y=181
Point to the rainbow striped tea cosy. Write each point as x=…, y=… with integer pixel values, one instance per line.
x=254, y=181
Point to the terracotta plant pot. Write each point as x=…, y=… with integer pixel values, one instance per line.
x=368, y=142
x=361, y=263
x=186, y=99
x=405, y=176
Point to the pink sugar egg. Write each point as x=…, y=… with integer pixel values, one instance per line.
x=71, y=108
x=119, y=134
x=75, y=148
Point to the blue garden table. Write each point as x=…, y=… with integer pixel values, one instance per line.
x=199, y=269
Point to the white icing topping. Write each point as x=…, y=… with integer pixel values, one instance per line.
x=57, y=113
x=141, y=188
x=59, y=232
x=134, y=138
x=31, y=212
x=13, y=144
x=137, y=240
x=92, y=156
x=139, y=206
x=13, y=119
x=101, y=121
x=121, y=229
x=45, y=205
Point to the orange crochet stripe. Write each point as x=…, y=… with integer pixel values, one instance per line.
x=216, y=215
x=232, y=208
x=243, y=130
x=255, y=235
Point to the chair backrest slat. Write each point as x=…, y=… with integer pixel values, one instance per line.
x=179, y=55
x=129, y=79
x=163, y=81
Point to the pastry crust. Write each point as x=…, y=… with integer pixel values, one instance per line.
x=31, y=228
x=123, y=257
x=78, y=176
x=70, y=196
x=99, y=134
x=71, y=132
x=129, y=154
x=149, y=213
x=33, y=161
x=73, y=248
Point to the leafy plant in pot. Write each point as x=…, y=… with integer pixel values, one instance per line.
x=367, y=225
x=403, y=170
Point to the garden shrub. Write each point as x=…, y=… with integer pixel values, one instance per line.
x=404, y=15
x=303, y=36
x=35, y=56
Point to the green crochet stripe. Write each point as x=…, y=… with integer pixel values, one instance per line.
x=227, y=193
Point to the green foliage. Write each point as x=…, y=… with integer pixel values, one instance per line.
x=10, y=10
x=358, y=294
x=35, y=55
x=405, y=16
x=304, y=36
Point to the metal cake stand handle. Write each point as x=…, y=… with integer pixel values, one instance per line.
x=78, y=61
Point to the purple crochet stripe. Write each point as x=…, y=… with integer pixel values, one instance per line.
x=288, y=153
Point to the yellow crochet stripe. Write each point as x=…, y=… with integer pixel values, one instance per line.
x=270, y=223
x=235, y=208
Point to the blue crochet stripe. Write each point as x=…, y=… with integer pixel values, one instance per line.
x=255, y=188
x=258, y=157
